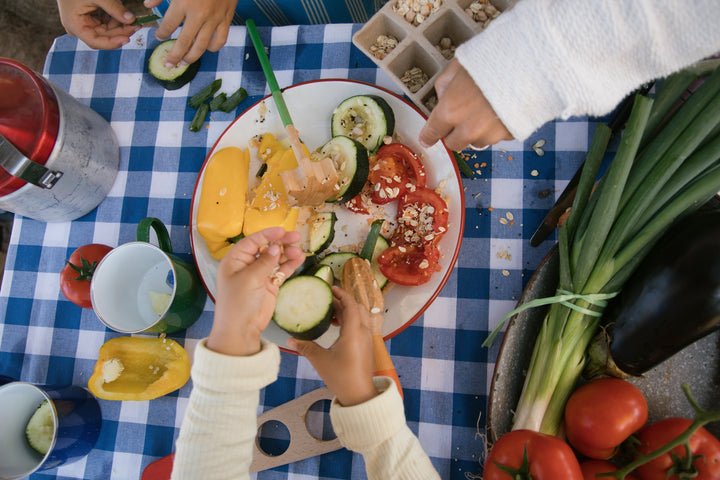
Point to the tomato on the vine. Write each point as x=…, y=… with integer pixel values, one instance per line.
x=76, y=274
x=524, y=454
x=602, y=414
x=590, y=469
x=396, y=170
x=704, y=460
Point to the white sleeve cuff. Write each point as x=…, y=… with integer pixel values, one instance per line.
x=225, y=373
x=366, y=425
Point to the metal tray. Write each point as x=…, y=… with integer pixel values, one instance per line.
x=698, y=365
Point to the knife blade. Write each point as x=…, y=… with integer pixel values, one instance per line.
x=565, y=200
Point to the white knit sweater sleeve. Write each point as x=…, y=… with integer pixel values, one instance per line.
x=548, y=59
x=377, y=429
x=220, y=424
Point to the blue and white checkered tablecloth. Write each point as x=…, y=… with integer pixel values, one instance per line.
x=444, y=371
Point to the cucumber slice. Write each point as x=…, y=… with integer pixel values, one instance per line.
x=170, y=78
x=309, y=265
x=369, y=246
x=380, y=246
x=351, y=161
x=336, y=261
x=40, y=429
x=322, y=231
x=304, y=307
x=326, y=273
x=365, y=118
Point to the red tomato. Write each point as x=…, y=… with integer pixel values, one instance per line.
x=590, y=469
x=396, y=167
x=75, y=276
x=409, y=264
x=357, y=204
x=548, y=457
x=422, y=218
x=702, y=443
x=602, y=414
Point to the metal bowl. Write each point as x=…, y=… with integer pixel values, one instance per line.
x=698, y=364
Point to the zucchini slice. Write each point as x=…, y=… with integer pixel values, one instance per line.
x=380, y=246
x=322, y=231
x=336, y=261
x=365, y=118
x=351, y=161
x=309, y=265
x=325, y=272
x=304, y=307
x=40, y=429
x=170, y=78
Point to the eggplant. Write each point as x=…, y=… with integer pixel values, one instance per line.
x=670, y=301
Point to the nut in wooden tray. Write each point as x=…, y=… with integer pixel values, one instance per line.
x=414, y=40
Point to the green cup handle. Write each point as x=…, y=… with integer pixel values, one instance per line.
x=143, y=233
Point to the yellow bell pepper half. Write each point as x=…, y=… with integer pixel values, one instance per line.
x=270, y=206
x=136, y=369
x=221, y=210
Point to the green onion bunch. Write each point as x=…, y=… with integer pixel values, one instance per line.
x=666, y=166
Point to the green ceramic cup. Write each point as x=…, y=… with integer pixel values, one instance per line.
x=140, y=287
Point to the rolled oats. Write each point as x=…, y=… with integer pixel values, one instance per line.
x=383, y=46
x=416, y=12
x=414, y=79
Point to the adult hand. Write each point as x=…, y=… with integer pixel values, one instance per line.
x=205, y=26
x=101, y=24
x=462, y=116
x=347, y=366
x=248, y=279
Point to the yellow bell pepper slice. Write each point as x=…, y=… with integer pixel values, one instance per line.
x=269, y=146
x=270, y=206
x=221, y=210
x=136, y=369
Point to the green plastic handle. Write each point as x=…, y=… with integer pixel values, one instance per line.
x=269, y=74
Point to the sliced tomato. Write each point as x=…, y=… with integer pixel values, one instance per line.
x=422, y=218
x=359, y=203
x=409, y=264
x=395, y=170
x=413, y=165
x=387, y=180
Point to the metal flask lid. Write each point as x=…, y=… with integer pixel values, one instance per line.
x=29, y=126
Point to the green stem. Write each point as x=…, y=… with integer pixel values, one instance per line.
x=594, y=158
x=666, y=97
x=609, y=200
x=634, y=216
x=670, y=133
x=699, y=192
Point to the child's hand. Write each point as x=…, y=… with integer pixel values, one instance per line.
x=102, y=24
x=347, y=366
x=463, y=115
x=247, y=284
x=205, y=26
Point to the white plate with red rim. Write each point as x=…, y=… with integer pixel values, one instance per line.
x=311, y=105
